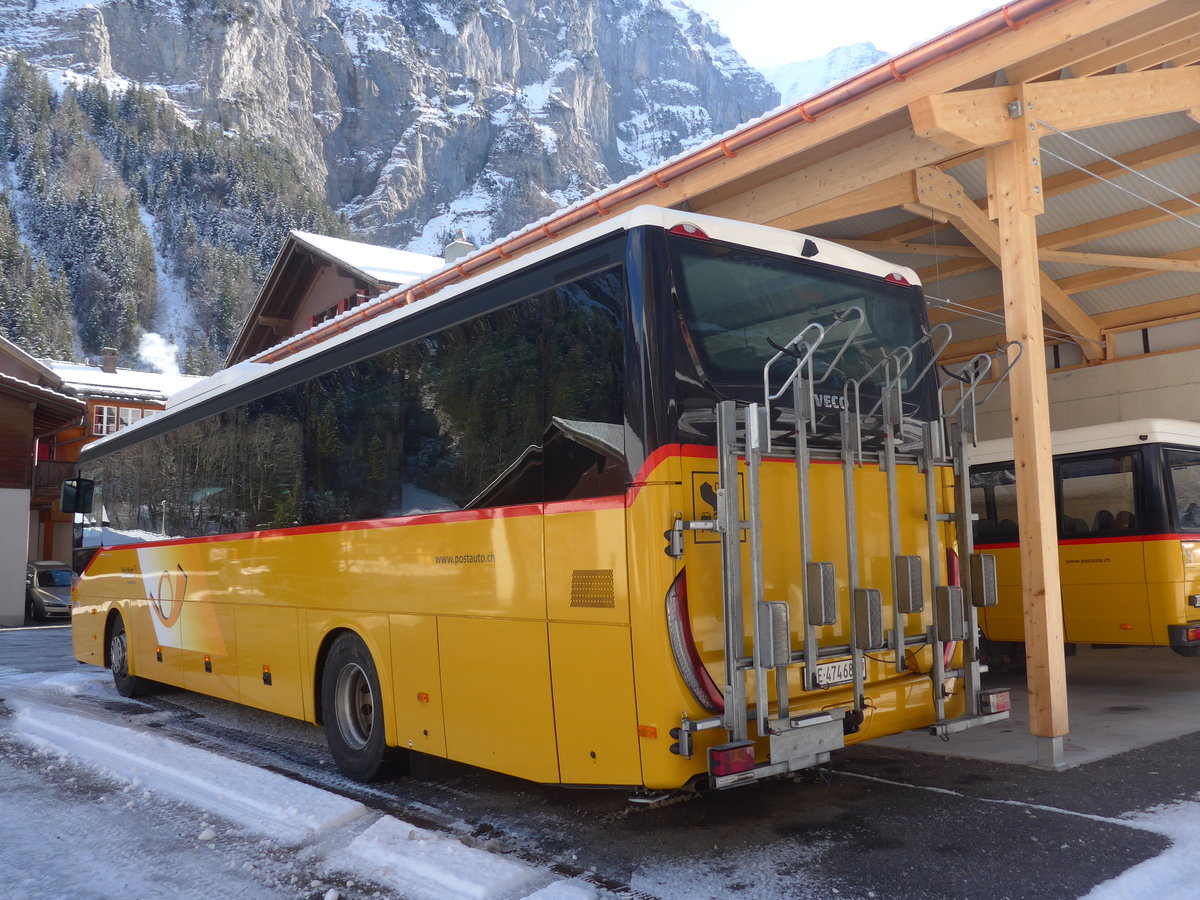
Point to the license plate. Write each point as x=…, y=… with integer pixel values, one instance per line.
x=840, y=671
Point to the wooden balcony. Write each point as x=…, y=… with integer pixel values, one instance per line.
x=48, y=476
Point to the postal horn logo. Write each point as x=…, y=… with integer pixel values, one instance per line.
x=172, y=588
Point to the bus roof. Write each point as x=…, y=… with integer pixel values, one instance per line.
x=1100, y=437
x=361, y=321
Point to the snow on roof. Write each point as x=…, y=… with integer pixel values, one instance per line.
x=379, y=264
x=123, y=383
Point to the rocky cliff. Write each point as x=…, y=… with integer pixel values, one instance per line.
x=417, y=117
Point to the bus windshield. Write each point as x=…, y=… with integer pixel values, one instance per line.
x=736, y=301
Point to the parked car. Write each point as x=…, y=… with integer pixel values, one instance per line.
x=47, y=589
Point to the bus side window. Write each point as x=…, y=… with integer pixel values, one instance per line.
x=1096, y=489
x=994, y=499
x=584, y=381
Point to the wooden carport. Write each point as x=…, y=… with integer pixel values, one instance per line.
x=999, y=160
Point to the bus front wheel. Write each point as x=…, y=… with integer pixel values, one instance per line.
x=352, y=712
x=118, y=660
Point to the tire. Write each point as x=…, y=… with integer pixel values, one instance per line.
x=352, y=713
x=118, y=659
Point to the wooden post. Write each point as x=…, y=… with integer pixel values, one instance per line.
x=1014, y=194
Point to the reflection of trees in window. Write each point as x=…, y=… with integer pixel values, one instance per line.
x=584, y=384
x=270, y=444
x=584, y=348
x=354, y=460
x=478, y=386
x=473, y=416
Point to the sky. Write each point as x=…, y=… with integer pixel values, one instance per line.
x=774, y=32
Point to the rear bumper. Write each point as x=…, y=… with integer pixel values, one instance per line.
x=1177, y=635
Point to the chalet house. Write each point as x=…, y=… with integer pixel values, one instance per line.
x=114, y=398
x=32, y=408
x=315, y=278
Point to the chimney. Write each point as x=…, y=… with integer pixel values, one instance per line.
x=457, y=248
x=108, y=360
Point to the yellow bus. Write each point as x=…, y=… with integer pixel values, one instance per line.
x=1128, y=499
x=626, y=511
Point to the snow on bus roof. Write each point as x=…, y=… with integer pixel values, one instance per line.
x=775, y=240
x=1100, y=437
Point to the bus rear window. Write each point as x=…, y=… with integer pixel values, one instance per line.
x=737, y=301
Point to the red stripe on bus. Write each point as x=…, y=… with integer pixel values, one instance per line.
x=1075, y=542
x=617, y=501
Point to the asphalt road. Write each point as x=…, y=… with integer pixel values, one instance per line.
x=878, y=823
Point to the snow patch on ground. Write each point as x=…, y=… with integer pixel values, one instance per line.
x=1173, y=873
x=423, y=864
x=263, y=802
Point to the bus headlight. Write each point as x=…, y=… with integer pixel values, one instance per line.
x=1191, y=552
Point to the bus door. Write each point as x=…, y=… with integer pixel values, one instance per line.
x=1101, y=551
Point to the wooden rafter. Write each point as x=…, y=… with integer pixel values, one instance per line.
x=1143, y=50
x=1077, y=48
x=962, y=120
x=943, y=193
x=1150, y=315
x=1089, y=231
x=1147, y=157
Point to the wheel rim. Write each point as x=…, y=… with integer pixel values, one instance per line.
x=117, y=654
x=354, y=706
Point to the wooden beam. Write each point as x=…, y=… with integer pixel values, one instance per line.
x=1165, y=52
x=281, y=327
x=1154, y=155
x=944, y=193
x=1040, y=584
x=1148, y=47
x=949, y=250
x=1086, y=232
x=1151, y=314
x=1133, y=318
x=895, y=191
x=1144, y=158
x=1081, y=45
x=982, y=118
x=861, y=168
x=1151, y=263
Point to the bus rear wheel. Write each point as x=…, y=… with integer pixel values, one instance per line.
x=352, y=712
x=118, y=660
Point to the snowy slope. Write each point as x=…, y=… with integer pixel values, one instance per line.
x=800, y=80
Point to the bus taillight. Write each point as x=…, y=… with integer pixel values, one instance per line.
x=896, y=278
x=687, y=229
x=683, y=646
x=730, y=759
x=1192, y=633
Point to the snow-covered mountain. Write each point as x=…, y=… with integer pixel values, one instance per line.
x=159, y=150
x=800, y=80
x=418, y=117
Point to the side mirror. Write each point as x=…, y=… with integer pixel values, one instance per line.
x=77, y=495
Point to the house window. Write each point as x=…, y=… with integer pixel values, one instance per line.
x=128, y=416
x=104, y=420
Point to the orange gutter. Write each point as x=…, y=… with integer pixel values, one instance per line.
x=987, y=26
